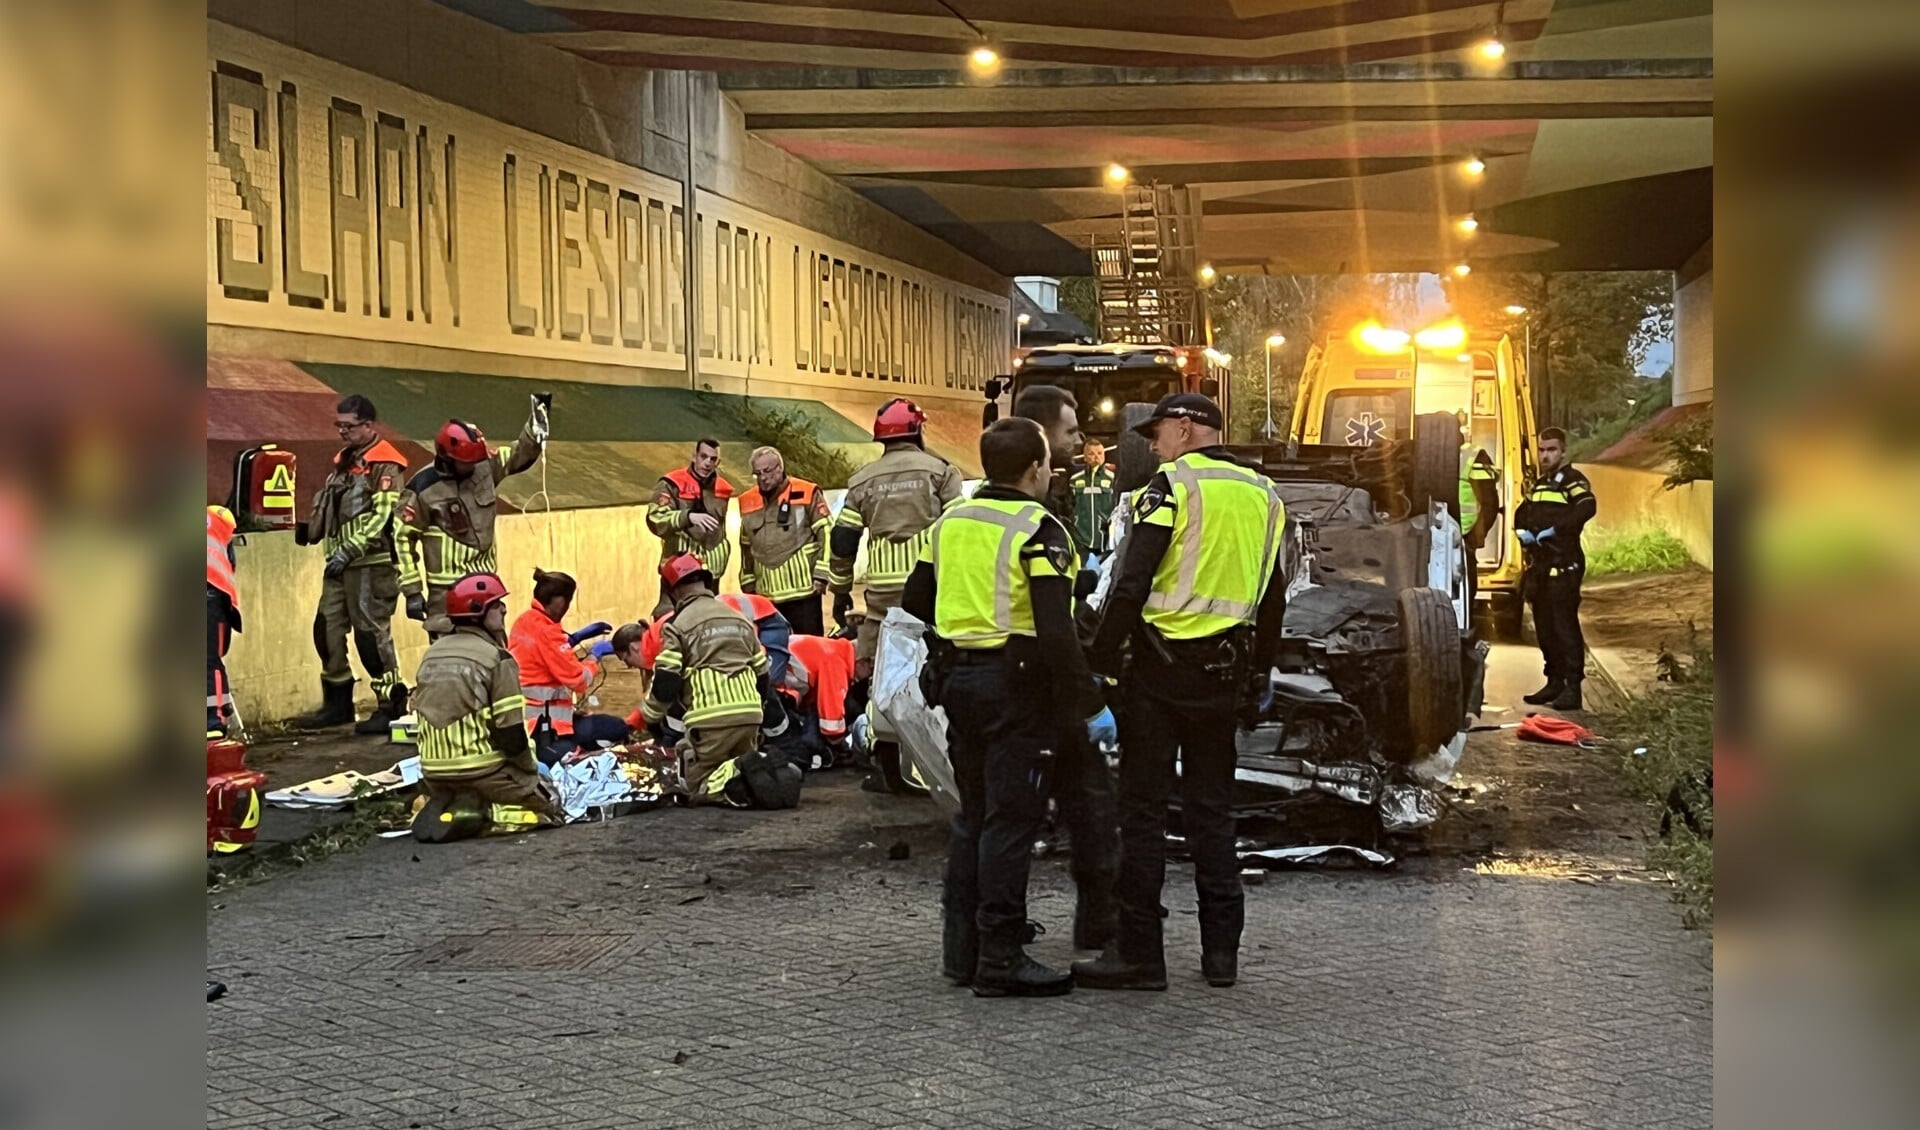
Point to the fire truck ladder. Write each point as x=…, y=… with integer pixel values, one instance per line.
x=1146, y=273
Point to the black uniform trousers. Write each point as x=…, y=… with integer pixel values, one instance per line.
x=803, y=612
x=1186, y=709
x=1555, y=597
x=1001, y=731
x=1083, y=790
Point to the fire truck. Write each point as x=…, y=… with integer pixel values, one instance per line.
x=1104, y=379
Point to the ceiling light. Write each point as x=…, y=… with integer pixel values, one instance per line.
x=1473, y=167
x=1491, y=49
x=1118, y=174
x=1467, y=224
x=984, y=58
x=1461, y=270
x=1106, y=406
x=1207, y=272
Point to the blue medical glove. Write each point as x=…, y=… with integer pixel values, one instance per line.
x=1102, y=730
x=1543, y=535
x=1526, y=537
x=601, y=649
x=597, y=628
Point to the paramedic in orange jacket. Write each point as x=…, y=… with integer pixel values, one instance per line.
x=555, y=666
x=818, y=676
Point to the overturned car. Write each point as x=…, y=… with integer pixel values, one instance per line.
x=1378, y=670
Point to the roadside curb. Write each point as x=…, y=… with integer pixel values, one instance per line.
x=1616, y=688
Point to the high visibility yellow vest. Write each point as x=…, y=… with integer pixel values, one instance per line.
x=983, y=596
x=1228, y=523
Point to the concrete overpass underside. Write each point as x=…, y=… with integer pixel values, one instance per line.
x=1325, y=136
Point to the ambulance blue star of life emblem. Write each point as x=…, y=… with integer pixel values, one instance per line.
x=1365, y=430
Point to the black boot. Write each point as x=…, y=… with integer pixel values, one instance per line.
x=1220, y=967
x=450, y=816
x=1005, y=970
x=1568, y=698
x=959, y=949
x=1545, y=694
x=1111, y=971
x=1095, y=921
x=336, y=707
x=381, y=720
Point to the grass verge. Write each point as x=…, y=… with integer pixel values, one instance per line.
x=359, y=824
x=1669, y=733
x=1643, y=551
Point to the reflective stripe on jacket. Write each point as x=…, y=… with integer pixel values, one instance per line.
x=550, y=673
x=783, y=540
x=1228, y=523
x=709, y=652
x=675, y=497
x=467, y=688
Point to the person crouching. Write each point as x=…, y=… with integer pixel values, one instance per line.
x=477, y=765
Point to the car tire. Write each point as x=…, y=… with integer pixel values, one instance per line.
x=1436, y=691
x=1436, y=462
x=1135, y=463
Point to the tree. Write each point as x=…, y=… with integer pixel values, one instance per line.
x=1246, y=309
x=1079, y=298
x=1590, y=330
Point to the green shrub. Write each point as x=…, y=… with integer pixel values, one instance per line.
x=1690, y=447
x=1648, y=551
x=1669, y=733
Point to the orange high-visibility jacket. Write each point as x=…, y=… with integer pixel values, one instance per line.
x=827, y=666
x=550, y=673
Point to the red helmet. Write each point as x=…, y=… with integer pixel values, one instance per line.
x=461, y=441
x=898, y=418
x=677, y=570
x=470, y=595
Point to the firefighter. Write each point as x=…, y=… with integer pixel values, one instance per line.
x=1557, y=508
x=447, y=513
x=894, y=501
x=223, y=618
x=1197, y=603
x=352, y=520
x=1082, y=783
x=783, y=541
x=556, y=665
x=477, y=766
x=712, y=666
x=689, y=514
x=995, y=582
x=1093, y=498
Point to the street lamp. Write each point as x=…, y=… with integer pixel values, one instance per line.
x=1274, y=342
x=1020, y=327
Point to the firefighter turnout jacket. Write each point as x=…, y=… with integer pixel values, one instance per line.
x=676, y=498
x=446, y=523
x=550, y=672
x=710, y=662
x=470, y=709
x=353, y=510
x=1562, y=502
x=783, y=541
x=895, y=500
x=1202, y=558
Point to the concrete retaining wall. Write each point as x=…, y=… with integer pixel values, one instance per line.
x=1632, y=500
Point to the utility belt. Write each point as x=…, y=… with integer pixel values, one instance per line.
x=1226, y=655
x=943, y=659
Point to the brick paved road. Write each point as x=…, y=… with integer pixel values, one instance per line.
x=735, y=969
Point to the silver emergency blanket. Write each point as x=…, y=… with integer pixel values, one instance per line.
x=598, y=782
x=920, y=729
x=1405, y=807
x=1315, y=855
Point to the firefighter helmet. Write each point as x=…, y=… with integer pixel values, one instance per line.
x=676, y=571
x=470, y=595
x=461, y=441
x=898, y=418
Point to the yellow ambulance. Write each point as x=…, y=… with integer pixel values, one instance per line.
x=1368, y=385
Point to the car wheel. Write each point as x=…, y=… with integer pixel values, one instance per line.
x=1436, y=694
x=1436, y=462
x=1135, y=463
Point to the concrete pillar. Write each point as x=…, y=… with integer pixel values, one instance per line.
x=1693, y=329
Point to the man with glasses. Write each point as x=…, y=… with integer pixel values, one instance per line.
x=352, y=521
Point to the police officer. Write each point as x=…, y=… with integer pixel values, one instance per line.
x=894, y=502
x=477, y=765
x=1082, y=783
x=352, y=521
x=1200, y=629
x=711, y=666
x=689, y=514
x=995, y=581
x=1549, y=523
x=447, y=512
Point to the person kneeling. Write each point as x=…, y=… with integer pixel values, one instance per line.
x=712, y=665
x=477, y=766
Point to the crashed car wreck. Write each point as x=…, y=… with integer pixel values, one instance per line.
x=1378, y=671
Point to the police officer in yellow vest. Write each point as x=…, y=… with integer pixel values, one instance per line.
x=711, y=663
x=996, y=583
x=1197, y=604
x=477, y=767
